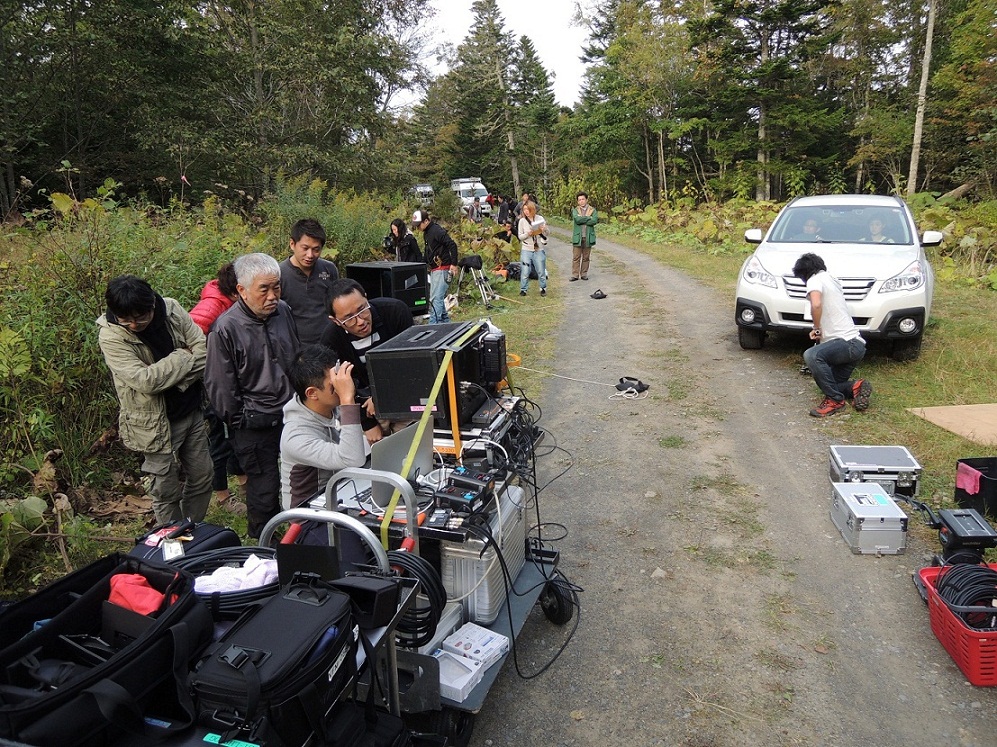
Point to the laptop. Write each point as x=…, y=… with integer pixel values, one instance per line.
x=388, y=455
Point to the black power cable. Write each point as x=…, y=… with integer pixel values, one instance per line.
x=418, y=625
x=970, y=586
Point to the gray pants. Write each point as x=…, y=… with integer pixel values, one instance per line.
x=173, y=497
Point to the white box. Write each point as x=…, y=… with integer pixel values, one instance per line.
x=458, y=675
x=463, y=567
x=477, y=643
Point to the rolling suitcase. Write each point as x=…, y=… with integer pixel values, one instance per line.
x=181, y=538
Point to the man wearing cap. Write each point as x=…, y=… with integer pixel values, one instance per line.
x=441, y=257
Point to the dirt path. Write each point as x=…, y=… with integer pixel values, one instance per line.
x=720, y=606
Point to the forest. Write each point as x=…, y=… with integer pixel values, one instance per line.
x=697, y=102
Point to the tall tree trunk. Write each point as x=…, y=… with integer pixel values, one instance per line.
x=7, y=190
x=662, y=173
x=763, y=189
x=649, y=165
x=922, y=96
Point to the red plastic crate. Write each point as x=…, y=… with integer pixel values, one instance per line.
x=975, y=651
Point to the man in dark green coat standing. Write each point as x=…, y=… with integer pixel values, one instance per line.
x=583, y=238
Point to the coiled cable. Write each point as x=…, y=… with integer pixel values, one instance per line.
x=970, y=586
x=418, y=625
x=228, y=605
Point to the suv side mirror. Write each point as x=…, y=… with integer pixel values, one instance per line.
x=932, y=238
x=754, y=235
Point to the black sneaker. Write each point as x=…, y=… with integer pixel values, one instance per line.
x=522, y=293
x=543, y=291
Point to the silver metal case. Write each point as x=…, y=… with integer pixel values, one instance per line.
x=893, y=467
x=477, y=578
x=869, y=520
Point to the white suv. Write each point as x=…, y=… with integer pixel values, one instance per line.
x=868, y=242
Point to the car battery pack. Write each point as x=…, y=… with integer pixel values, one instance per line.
x=893, y=467
x=468, y=565
x=869, y=520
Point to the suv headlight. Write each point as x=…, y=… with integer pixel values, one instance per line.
x=910, y=279
x=755, y=273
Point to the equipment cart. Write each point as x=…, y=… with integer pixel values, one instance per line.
x=412, y=676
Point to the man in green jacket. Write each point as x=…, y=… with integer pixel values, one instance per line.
x=156, y=354
x=583, y=238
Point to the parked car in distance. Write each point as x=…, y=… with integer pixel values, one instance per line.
x=424, y=193
x=868, y=242
x=467, y=189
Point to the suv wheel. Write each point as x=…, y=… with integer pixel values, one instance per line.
x=750, y=339
x=906, y=350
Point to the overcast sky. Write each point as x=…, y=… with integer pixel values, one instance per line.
x=546, y=22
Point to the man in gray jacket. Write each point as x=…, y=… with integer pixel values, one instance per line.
x=156, y=355
x=322, y=431
x=250, y=350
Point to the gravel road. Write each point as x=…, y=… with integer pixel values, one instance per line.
x=720, y=605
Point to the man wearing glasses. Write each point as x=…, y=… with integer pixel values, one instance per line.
x=156, y=355
x=359, y=324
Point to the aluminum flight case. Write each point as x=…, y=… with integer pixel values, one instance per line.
x=893, y=467
x=869, y=520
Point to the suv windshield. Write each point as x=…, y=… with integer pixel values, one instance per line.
x=853, y=224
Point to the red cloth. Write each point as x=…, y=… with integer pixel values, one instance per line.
x=967, y=478
x=133, y=592
x=213, y=302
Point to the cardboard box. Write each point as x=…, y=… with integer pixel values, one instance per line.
x=477, y=643
x=458, y=675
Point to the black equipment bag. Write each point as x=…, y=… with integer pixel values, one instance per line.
x=274, y=675
x=197, y=537
x=91, y=671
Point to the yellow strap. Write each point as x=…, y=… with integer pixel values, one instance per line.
x=427, y=416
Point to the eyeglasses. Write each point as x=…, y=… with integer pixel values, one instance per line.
x=353, y=317
x=141, y=319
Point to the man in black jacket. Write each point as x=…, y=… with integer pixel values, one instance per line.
x=305, y=279
x=441, y=257
x=359, y=325
x=250, y=348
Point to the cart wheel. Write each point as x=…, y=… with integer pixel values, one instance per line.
x=456, y=726
x=556, y=604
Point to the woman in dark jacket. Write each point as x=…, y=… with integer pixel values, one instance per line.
x=405, y=244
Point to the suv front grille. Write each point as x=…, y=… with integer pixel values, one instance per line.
x=856, y=289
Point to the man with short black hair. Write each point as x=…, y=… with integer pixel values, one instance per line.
x=322, y=432
x=357, y=326
x=250, y=348
x=840, y=347
x=156, y=355
x=441, y=256
x=305, y=279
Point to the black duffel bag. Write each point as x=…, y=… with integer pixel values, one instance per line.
x=271, y=678
x=76, y=668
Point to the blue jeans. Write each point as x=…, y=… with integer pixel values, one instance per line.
x=832, y=363
x=438, y=287
x=537, y=260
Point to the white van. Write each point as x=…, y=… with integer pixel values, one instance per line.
x=467, y=189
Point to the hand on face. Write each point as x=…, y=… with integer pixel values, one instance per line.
x=341, y=379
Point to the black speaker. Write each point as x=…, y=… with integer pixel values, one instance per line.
x=402, y=372
x=406, y=281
